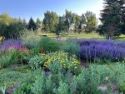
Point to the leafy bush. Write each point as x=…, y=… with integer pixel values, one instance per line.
x=13, y=30
x=12, y=57
x=6, y=59
x=63, y=88
x=36, y=62
x=62, y=58
x=95, y=49
x=21, y=57
x=87, y=81
x=57, y=59
x=25, y=88
x=39, y=87
x=31, y=84
x=26, y=83
x=49, y=45
x=71, y=47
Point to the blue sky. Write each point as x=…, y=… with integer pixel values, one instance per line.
x=36, y=8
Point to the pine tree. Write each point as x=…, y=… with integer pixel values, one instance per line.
x=111, y=18
x=32, y=25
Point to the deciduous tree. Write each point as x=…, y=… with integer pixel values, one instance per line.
x=91, y=21
x=50, y=21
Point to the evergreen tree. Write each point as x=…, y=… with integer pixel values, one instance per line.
x=32, y=25
x=61, y=27
x=122, y=5
x=111, y=18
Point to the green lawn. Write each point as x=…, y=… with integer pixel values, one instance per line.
x=74, y=35
x=79, y=36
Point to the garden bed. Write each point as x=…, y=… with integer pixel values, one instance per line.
x=62, y=67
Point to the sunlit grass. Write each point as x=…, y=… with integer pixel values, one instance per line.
x=73, y=35
x=84, y=35
x=122, y=37
x=1, y=38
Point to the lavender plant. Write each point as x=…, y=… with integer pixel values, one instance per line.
x=11, y=44
x=105, y=49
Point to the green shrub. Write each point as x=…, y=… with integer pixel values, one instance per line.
x=12, y=30
x=44, y=84
x=86, y=82
x=49, y=45
x=20, y=57
x=122, y=88
x=47, y=84
x=6, y=59
x=63, y=88
x=25, y=88
x=71, y=47
x=12, y=57
x=26, y=83
x=39, y=86
x=34, y=51
x=61, y=57
x=36, y=62
x=55, y=67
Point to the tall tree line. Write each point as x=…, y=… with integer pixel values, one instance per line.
x=52, y=22
x=69, y=22
x=112, y=22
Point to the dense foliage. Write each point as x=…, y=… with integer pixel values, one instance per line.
x=89, y=81
x=48, y=45
x=10, y=27
x=112, y=18
x=50, y=21
x=28, y=68
x=69, y=22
